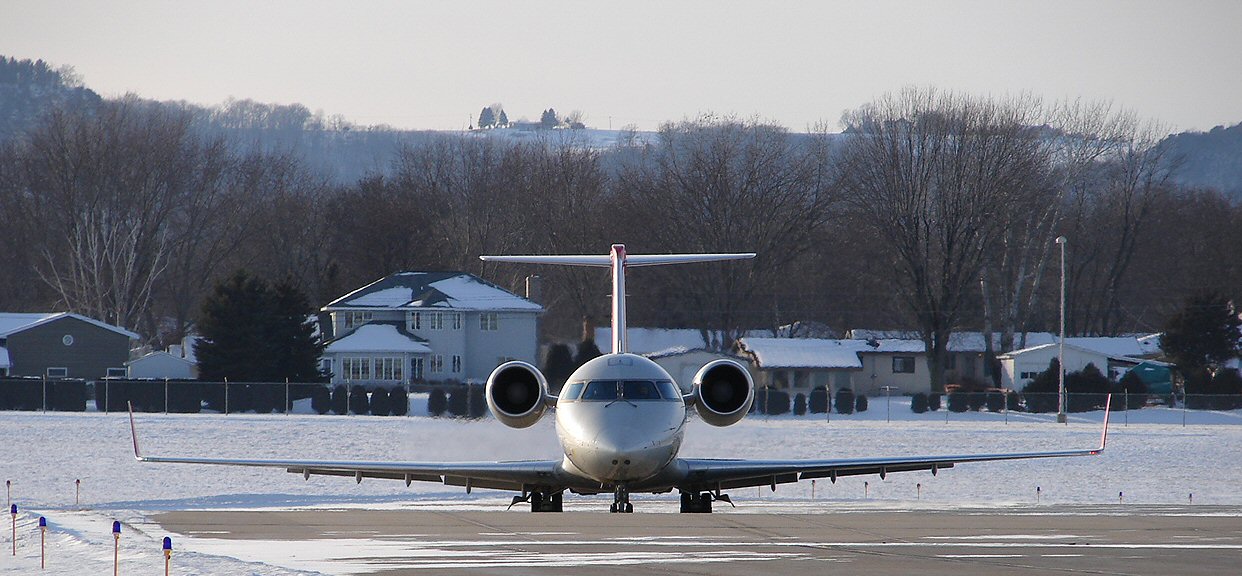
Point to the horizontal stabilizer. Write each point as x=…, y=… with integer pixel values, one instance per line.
x=630, y=260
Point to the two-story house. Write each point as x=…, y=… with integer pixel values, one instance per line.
x=428, y=326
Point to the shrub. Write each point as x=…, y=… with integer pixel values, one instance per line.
x=818, y=403
x=1133, y=391
x=995, y=401
x=957, y=402
x=437, y=402
x=358, y=403
x=321, y=399
x=399, y=401
x=860, y=403
x=775, y=401
x=845, y=401
x=975, y=400
x=459, y=401
x=340, y=399
x=799, y=406
x=933, y=401
x=478, y=403
x=379, y=402
x=1012, y=402
x=1085, y=390
x=918, y=403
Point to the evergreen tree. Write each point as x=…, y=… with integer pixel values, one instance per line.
x=503, y=120
x=255, y=333
x=1204, y=334
x=233, y=325
x=297, y=346
x=549, y=120
x=1041, y=393
x=558, y=366
x=487, y=118
x=587, y=350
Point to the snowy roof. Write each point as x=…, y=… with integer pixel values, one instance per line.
x=13, y=322
x=378, y=337
x=653, y=340
x=1150, y=344
x=1077, y=344
x=158, y=354
x=804, y=352
x=4, y=358
x=958, y=341
x=456, y=290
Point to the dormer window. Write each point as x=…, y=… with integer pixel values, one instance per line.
x=357, y=318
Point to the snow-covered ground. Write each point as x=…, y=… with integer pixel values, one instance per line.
x=1151, y=458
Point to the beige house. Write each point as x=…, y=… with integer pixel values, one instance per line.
x=682, y=364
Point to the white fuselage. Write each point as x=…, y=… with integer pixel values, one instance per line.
x=620, y=419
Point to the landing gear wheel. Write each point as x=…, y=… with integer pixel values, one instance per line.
x=546, y=502
x=621, y=501
x=696, y=502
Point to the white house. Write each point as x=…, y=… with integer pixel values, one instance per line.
x=160, y=364
x=683, y=363
x=1112, y=356
x=866, y=366
x=428, y=326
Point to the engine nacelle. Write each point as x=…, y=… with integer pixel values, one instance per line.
x=517, y=394
x=723, y=392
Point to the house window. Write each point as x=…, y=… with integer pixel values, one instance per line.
x=416, y=368
x=356, y=368
x=325, y=365
x=489, y=321
x=115, y=373
x=57, y=372
x=355, y=319
x=437, y=364
x=456, y=363
x=389, y=368
x=457, y=321
x=1029, y=375
x=416, y=321
x=903, y=364
x=435, y=321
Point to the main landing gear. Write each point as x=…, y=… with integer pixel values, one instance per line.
x=701, y=502
x=621, y=500
x=541, y=501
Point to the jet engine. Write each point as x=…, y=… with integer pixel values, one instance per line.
x=517, y=394
x=723, y=392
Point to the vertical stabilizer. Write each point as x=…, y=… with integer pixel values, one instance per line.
x=618, y=260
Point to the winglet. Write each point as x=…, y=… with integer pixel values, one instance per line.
x=133, y=433
x=1108, y=406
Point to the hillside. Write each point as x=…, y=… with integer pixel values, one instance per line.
x=1213, y=159
x=28, y=89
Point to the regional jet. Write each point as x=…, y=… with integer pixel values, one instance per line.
x=620, y=419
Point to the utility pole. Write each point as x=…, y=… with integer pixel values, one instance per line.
x=1061, y=342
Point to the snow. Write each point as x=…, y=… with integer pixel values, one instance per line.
x=469, y=293
x=377, y=338
x=389, y=297
x=11, y=322
x=818, y=353
x=4, y=358
x=1151, y=457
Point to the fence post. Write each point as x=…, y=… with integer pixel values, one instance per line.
x=165, y=395
x=288, y=406
x=226, y=395
x=107, y=389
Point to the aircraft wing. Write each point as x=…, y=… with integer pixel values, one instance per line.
x=712, y=474
x=514, y=475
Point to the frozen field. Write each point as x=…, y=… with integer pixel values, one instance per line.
x=1152, y=460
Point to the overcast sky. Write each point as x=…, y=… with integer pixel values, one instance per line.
x=436, y=64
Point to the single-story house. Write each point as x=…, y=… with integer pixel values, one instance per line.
x=160, y=364
x=62, y=345
x=1022, y=366
x=867, y=366
x=683, y=363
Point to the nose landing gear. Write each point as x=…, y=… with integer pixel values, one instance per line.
x=621, y=500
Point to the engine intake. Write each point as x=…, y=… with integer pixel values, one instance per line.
x=723, y=392
x=517, y=394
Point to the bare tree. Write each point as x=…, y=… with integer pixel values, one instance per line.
x=932, y=173
x=719, y=186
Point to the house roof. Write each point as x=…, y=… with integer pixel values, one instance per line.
x=653, y=340
x=965, y=341
x=14, y=322
x=805, y=352
x=1075, y=344
x=452, y=290
x=155, y=355
x=4, y=358
x=378, y=337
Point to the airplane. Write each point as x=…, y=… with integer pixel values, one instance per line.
x=620, y=420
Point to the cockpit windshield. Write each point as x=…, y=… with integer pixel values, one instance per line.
x=631, y=390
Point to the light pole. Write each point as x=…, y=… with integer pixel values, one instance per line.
x=1061, y=342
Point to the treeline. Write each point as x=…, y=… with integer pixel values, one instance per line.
x=932, y=211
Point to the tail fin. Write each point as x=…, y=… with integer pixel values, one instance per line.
x=618, y=260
